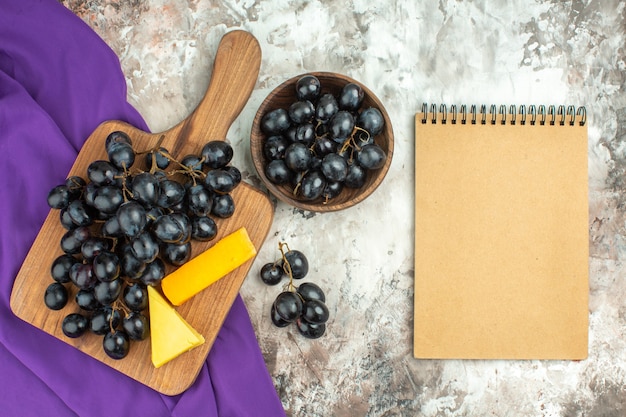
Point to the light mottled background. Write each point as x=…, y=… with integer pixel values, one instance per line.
x=407, y=52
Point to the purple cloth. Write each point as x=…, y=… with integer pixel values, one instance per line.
x=58, y=81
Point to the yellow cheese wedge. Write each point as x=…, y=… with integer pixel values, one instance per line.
x=225, y=256
x=170, y=334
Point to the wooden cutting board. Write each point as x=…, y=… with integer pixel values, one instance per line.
x=234, y=75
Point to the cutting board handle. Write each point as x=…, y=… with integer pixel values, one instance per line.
x=235, y=72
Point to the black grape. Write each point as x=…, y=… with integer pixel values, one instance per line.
x=176, y=254
x=203, y=228
x=145, y=247
x=275, y=121
x=298, y=263
x=132, y=218
x=278, y=172
x=223, y=206
x=271, y=273
x=59, y=197
x=310, y=330
x=288, y=306
x=106, y=292
x=121, y=155
x=332, y=190
x=104, y=320
x=334, y=167
x=82, y=276
x=301, y=111
x=199, y=199
x=107, y=199
x=136, y=326
x=310, y=291
x=341, y=125
x=371, y=157
x=308, y=87
x=131, y=267
x=161, y=161
x=103, y=173
x=297, y=157
x=60, y=269
x=274, y=147
x=75, y=185
x=116, y=344
x=86, y=300
x=234, y=172
x=312, y=185
x=172, y=193
x=56, y=296
x=276, y=319
x=169, y=229
x=116, y=137
x=220, y=181
x=192, y=162
x=371, y=119
x=106, y=266
x=80, y=213
x=74, y=325
x=145, y=189
x=315, y=312
x=351, y=97
x=326, y=107
x=153, y=273
x=217, y=154
x=136, y=297
x=93, y=246
x=356, y=176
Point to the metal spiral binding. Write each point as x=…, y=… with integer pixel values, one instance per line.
x=534, y=115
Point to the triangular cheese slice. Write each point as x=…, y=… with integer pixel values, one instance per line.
x=170, y=334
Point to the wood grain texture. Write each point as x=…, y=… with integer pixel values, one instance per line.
x=236, y=67
x=282, y=97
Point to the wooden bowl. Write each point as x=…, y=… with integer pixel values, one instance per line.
x=282, y=97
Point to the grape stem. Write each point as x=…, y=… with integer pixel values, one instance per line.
x=350, y=141
x=119, y=306
x=153, y=162
x=113, y=241
x=125, y=190
x=286, y=265
x=194, y=174
x=153, y=166
x=116, y=306
x=297, y=187
x=155, y=148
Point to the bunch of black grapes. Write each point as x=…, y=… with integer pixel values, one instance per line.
x=124, y=225
x=322, y=143
x=304, y=304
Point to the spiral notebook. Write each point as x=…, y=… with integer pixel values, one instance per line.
x=501, y=232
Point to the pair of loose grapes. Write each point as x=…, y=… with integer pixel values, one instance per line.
x=124, y=225
x=322, y=143
x=305, y=304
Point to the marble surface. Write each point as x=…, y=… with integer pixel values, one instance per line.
x=407, y=52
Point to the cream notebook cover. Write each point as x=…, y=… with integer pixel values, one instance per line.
x=501, y=233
